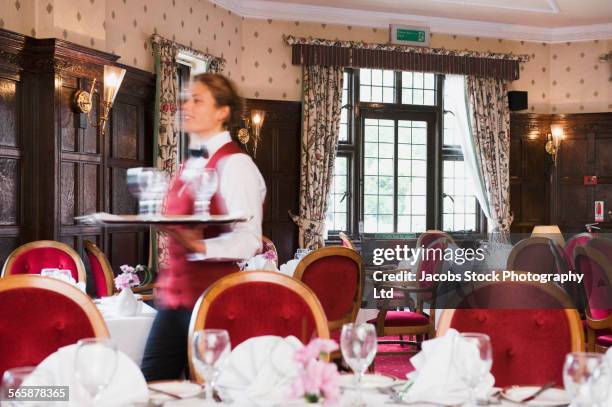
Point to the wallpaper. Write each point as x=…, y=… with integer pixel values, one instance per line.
x=560, y=77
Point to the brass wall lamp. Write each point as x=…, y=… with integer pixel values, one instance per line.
x=252, y=129
x=82, y=99
x=553, y=141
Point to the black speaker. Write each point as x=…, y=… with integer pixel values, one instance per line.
x=517, y=100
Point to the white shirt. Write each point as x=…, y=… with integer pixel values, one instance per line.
x=243, y=190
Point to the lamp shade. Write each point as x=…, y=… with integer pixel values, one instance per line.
x=550, y=231
x=113, y=76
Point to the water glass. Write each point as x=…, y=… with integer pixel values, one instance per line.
x=600, y=384
x=472, y=359
x=95, y=365
x=13, y=379
x=211, y=348
x=149, y=186
x=204, y=187
x=578, y=372
x=358, y=343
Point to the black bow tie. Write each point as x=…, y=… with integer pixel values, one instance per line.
x=200, y=152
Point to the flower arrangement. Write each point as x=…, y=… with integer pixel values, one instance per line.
x=317, y=380
x=269, y=254
x=128, y=277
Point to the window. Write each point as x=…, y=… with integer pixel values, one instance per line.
x=399, y=167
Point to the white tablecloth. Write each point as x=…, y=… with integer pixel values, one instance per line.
x=129, y=333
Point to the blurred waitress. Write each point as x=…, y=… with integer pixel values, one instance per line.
x=199, y=258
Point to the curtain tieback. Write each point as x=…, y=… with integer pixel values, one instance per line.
x=314, y=226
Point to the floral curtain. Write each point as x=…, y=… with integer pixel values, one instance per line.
x=489, y=121
x=320, y=128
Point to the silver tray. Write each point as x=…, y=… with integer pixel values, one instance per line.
x=103, y=218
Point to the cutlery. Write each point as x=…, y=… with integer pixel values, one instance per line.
x=165, y=393
x=537, y=393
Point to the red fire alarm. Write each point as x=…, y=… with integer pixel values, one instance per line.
x=590, y=180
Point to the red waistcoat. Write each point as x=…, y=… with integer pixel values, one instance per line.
x=183, y=281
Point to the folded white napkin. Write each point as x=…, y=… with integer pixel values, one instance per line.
x=289, y=267
x=64, y=276
x=436, y=378
x=259, y=262
x=260, y=370
x=127, y=385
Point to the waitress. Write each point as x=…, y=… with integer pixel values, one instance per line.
x=199, y=258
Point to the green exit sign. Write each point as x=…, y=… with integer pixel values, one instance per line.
x=409, y=35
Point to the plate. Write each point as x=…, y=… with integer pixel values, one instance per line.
x=551, y=397
x=182, y=389
x=369, y=381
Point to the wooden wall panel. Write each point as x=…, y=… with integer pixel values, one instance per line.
x=9, y=118
x=278, y=159
x=9, y=185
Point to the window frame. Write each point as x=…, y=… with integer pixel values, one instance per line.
x=437, y=152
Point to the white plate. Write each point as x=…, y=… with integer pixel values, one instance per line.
x=551, y=397
x=183, y=389
x=369, y=381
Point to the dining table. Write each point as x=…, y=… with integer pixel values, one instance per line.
x=129, y=333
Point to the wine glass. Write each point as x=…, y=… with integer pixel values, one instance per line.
x=211, y=347
x=358, y=344
x=149, y=186
x=472, y=358
x=95, y=364
x=578, y=370
x=17, y=377
x=204, y=187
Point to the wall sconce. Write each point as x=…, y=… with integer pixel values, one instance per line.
x=252, y=129
x=554, y=139
x=113, y=76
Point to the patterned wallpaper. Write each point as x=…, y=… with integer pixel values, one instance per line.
x=560, y=78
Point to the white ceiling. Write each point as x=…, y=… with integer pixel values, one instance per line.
x=541, y=20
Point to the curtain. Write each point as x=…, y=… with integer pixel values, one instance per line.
x=320, y=127
x=165, y=130
x=489, y=122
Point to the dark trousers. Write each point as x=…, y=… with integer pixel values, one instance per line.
x=165, y=355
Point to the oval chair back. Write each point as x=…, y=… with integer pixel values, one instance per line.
x=521, y=332
x=537, y=255
x=334, y=274
x=40, y=315
x=32, y=257
x=580, y=239
x=101, y=269
x=255, y=303
x=430, y=240
x=597, y=282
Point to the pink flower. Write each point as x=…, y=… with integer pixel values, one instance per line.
x=314, y=349
x=127, y=269
x=127, y=279
x=269, y=255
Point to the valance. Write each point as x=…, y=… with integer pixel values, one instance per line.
x=315, y=51
x=214, y=64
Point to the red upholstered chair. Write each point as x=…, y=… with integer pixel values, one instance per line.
x=597, y=269
x=537, y=255
x=256, y=303
x=39, y=315
x=346, y=242
x=416, y=322
x=32, y=257
x=101, y=270
x=531, y=325
x=580, y=239
x=335, y=276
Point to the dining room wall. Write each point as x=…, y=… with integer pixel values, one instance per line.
x=560, y=77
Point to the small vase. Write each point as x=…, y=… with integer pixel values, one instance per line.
x=126, y=303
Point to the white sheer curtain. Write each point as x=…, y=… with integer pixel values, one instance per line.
x=457, y=103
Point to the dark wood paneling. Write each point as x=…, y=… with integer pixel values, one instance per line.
x=278, y=159
x=545, y=194
x=9, y=118
x=9, y=187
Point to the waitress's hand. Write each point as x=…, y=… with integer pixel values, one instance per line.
x=190, y=238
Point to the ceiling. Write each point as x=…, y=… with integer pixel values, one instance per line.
x=541, y=20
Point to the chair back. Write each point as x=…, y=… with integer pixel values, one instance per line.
x=40, y=315
x=580, y=239
x=520, y=336
x=32, y=257
x=537, y=255
x=346, y=241
x=597, y=282
x=334, y=274
x=101, y=270
x=255, y=303
x=431, y=241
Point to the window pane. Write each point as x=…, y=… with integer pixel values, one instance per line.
x=337, y=214
x=418, y=88
x=459, y=201
x=377, y=85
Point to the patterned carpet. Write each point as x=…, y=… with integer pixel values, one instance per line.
x=394, y=365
